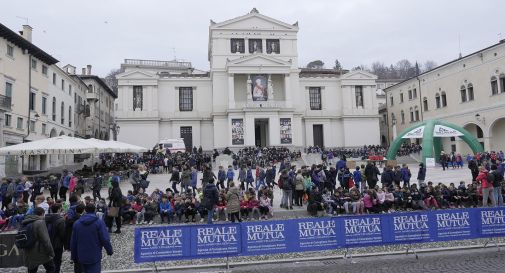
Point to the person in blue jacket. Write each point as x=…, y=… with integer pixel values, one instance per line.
x=89, y=236
x=194, y=178
x=166, y=210
x=230, y=175
x=249, y=178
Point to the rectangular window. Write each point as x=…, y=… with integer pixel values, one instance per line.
x=315, y=98
x=401, y=97
x=54, y=109
x=411, y=116
x=44, y=128
x=437, y=100
x=410, y=94
x=63, y=84
x=44, y=105
x=32, y=101
x=502, y=84
x=32, y=126
x=391, y=100
x=70, y=90
x=54, y=78
x=138, y=98
x=8, y=89
x=402, y=116
x=34, y=64
x=358, y=89
x=453, y=138
x=10, y=51
x=185, y=98
x=237, y=45
x=414, y=93
x=417, y=115
x=494, y=86
x=44, y=70
x=8, y=120
x=470, y=93
x=425, y=105
x=20, y=123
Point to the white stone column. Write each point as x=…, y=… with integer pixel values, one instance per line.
x=231, y=91
x=249, y=133
x=249, y=89
x=270, y=88
x=287, y=90
x=274, y=133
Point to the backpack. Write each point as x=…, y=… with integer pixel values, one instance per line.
x=280, y=183
x=25, y=238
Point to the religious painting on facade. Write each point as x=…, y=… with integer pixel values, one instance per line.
x=237, y=131
x=255, y=46
x=259, y=87
x=273, y=46
x=237, y=46
x=286, y=135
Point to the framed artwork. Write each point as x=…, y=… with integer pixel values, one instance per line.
x=286, y=135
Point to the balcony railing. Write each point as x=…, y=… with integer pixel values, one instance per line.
x=168, y=64
x=5, y=103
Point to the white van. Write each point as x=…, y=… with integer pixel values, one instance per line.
x=174, y=145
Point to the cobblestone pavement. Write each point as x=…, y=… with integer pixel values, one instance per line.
x=477, y=260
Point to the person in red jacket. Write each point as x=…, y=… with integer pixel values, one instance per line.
x=253, y=206
x=486, y=186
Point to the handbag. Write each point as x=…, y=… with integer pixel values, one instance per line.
x=113, y=212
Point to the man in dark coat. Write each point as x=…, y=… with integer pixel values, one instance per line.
x=371, y=173
x=210, y=199
x=42, y=252
x=56, y=228
x=89, y=236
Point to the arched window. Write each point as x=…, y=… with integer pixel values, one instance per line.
x=54, y=109
x=502, y=83
x=470, y=92
x=480, y=134
x=393, y=118
x=425, y=104
x=411, y=114
x=462, y=91
x=444, y=99
x=416, y=112
x=402, y=116
x=437, y=99
x=494, y=85
x=70, y=116
x=62, y=113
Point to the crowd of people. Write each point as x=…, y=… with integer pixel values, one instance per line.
x=241, y=191
x=362, y=152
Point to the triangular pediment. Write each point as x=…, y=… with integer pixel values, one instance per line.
x=258, y=60
x=254, y=20
x=359, y=75
x=136, y=74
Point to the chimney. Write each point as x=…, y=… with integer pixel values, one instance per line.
x=83, y=71
x=89, y=69
x=27, y=33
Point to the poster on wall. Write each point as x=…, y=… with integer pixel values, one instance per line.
x=286, y=136
x=259, y=87
x=237, y=131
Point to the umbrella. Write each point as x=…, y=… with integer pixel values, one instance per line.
x=115, y=146
x=61, y=145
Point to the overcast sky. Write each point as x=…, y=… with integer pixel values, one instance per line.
x=104, y=32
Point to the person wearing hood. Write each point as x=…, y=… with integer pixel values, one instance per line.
x=56, y=229
x=89, y=236
x=41, y=253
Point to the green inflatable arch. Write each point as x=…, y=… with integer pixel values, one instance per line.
x=431, y=131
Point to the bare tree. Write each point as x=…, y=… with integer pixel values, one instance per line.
x=337, y=66
x=428, y=65
x=111, y=80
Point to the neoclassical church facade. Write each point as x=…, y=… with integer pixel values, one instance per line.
x=254, y=94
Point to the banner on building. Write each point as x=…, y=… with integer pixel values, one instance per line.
x=313, y=234
x=286, y=134
x=417, y=132
x=259, y=87
x=444, y=131
x=237, y=131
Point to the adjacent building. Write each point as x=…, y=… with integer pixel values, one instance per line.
x=255, y=94
x=38, y=99
x=469, y=92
